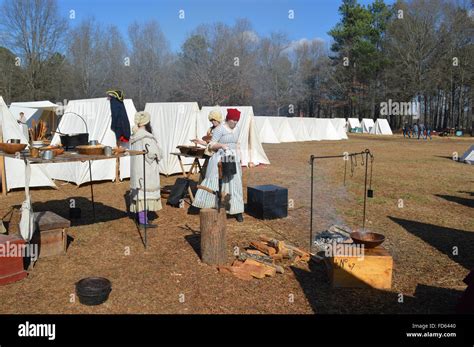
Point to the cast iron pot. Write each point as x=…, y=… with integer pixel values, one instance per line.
x=93, y=290
x=73, y=140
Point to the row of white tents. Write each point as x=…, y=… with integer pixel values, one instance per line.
x=368, y=126
x=173, y=124
x=295, y=129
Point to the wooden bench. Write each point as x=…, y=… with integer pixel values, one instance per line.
x=50, y=233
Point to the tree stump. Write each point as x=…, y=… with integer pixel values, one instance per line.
x=213, y=236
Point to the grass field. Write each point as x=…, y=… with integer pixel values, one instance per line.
x=437, y=215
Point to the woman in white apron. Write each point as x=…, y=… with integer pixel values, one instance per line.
x=224, y=143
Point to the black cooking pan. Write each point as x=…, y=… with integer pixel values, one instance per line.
x=70, y=141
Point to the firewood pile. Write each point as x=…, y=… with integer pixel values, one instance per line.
x=265, y=258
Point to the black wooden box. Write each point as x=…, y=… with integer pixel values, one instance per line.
x=267, y=201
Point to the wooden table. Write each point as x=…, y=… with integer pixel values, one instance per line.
x=195, y=168
x=70, y=156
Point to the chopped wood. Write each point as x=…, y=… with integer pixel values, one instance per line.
x=268, y=270
x=256, y=271
x=241, y=273
x=237, y=262
x=277, y=256
x=262, y=258
x=255, y=251
x=243, y=256
x=262, y=247
x=296, y=250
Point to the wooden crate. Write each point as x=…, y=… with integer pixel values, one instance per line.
x=50, y=234
x=373, y=270
x=11, y=267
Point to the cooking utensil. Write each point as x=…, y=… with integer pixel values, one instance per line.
x=90, y=150
x=37, y=144
x=108, y=151
x=93, y=143
x=368, y=239
x=14, y=141
x=12, y=148
x=34, y=152
x=72, y=140
x=93, y=290
x=47, y=155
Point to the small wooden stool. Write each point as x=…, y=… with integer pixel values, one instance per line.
x=373, y=270
x=11, y=265
x=50, y=233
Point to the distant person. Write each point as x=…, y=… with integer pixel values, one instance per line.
x=120, y=124
x=23, y=126
x=428, y=132
x=422, y=131
x=415, y=131
x=405, y=130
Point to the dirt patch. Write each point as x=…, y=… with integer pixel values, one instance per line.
x=169, y=278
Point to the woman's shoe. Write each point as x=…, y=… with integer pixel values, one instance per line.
x=193, y=210
x=239, y=217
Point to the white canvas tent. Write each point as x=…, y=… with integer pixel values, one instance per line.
x=173, y=124
x=352, y=124
x=249, y=139
x=341, y=127
x=96, y=114
x=282, y=129
x=324, y=130
x=15, y=168
x=468, y=156
x=381, y=127
x=32, y=109
x=366, y=125
x=265, y=130
x=299, y=129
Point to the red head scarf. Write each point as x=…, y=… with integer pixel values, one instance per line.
x=233, y=114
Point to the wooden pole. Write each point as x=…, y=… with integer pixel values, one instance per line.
x=213, y=236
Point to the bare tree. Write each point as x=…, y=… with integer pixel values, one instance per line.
x=34, y=30
x=150, y=60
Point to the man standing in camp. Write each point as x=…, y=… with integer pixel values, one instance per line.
x=120, y=124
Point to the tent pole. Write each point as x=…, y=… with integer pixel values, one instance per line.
x=365, y=185
x=3, y=173
x=92, y=190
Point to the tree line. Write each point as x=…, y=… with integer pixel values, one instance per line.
x=418, y=51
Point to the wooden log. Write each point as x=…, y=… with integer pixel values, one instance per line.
x=213, y=236
x=257, y=271
x=255, y=251
x=244, y=256
x=296, y=250
x=263, y=247
x=268, y=270
x=265, y=258
x=277, y=256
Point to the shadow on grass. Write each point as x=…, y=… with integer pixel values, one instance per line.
x=443, y=239
x=103, y=213
x=457, y=199
x=325, y=299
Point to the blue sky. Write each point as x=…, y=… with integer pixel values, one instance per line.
x=313, y=18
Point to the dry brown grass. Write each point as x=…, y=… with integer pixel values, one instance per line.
x=437, y=216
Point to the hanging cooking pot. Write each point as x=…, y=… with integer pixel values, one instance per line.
x=229, y=166
x=70, y=141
